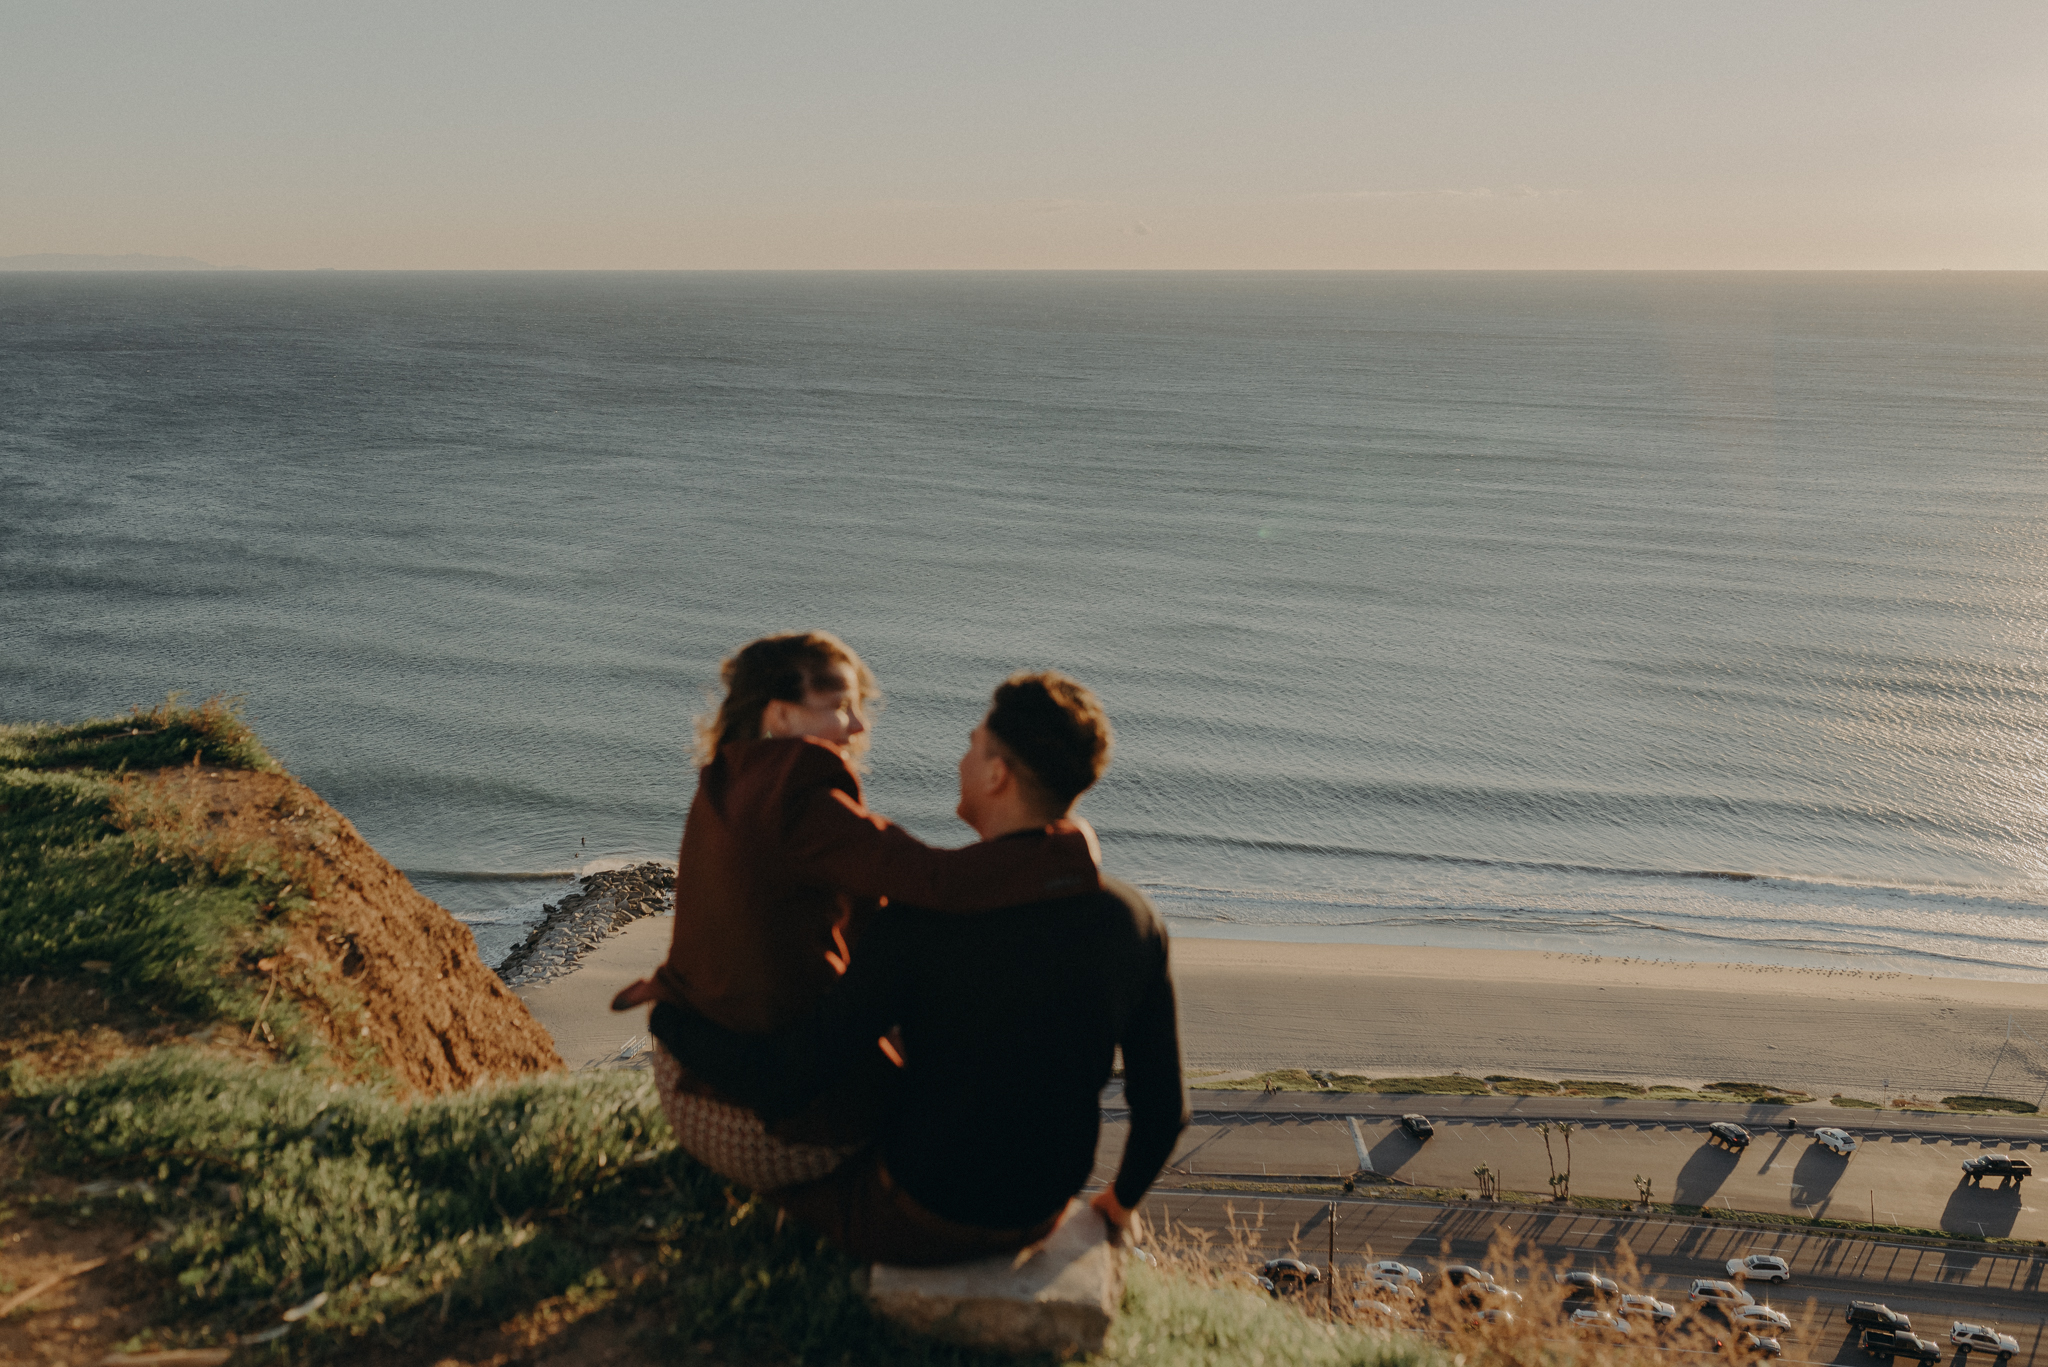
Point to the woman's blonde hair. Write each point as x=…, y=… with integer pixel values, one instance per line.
x=780, y=669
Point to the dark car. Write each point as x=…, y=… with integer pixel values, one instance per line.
x=1897, y=1343
x=1579, y=1286
x=1417, y=1125
x=1729, y=1133
x=1291, y=1276
x=1871, y=1315
x=1760, y=1346
x=1996, y=1165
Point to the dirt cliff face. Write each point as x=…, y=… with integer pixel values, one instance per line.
x=389, y=978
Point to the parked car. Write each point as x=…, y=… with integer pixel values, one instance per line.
x=1757, y=1316
x=1648, y=1309
x=1387, y=1267
x=1835, y=1141
x=1291, y=1276
x=1729, y=1133
x=1587, y=1286
x=1983, y=1338
x=1765, y=1267
x=1417, y=1125
x=1590, y=1321
x=1872, y=1315
x=1975, y=1170
x=1891, y=1343
x=1705, y=1290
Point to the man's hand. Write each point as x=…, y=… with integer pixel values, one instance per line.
x=638, y=993
x=1124, y=1225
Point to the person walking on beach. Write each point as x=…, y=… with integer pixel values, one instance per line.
x=781, y=870
x=1009, y=1019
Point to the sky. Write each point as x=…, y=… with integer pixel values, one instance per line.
x=1452, y=134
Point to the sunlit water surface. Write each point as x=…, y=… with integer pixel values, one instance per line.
x=1667, y=615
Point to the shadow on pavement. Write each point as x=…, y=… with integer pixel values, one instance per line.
x=1703, y=1175
x=1393, y=1151
x=1815, y=1175
x=1989, y=1211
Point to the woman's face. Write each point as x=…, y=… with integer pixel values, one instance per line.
x=831, y=710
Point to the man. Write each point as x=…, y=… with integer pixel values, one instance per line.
x=1009, y=1019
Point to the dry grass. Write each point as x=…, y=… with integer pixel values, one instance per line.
x=1533, y=1332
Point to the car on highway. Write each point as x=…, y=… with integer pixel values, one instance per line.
x=1708, y=1291
x=1899, y=1343
x=1729, y=1133
x=1835, y=1141
x=1757, y=1316
x=1760, y=1345
x=1494, y=1316
x=1648, y=1309
x=1291, y=1276
x=1418, y=1126
x=1996, y=1165
x=1387, y=1267
x=1765, y=1267
x=1587, y=1320
x=1384, y=1286
x=1873, y=1315
x=1377, y=1310
x=1582, y=1285
x=1983, y=1338
x=1476, y=1287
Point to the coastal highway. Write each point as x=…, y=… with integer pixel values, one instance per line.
x=1906, y=1172
x=1934, y=1285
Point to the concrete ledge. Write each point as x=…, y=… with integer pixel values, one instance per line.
x=1059, y=1297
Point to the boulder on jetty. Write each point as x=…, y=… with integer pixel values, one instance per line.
x=1059, y=1297
x=569, y=929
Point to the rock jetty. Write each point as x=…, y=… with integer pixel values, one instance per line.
x=572, y=927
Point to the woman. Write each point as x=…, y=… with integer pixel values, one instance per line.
x=781, y=865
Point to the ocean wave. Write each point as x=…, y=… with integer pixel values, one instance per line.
x=1795, y=882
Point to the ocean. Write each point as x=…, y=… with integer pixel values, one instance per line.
x=1679, y=616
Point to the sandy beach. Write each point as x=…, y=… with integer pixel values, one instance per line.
x=1396, y=1009
x=1250, y=1005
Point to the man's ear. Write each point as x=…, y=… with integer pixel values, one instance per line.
x=1000, y=777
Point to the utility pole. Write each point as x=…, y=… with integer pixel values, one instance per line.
x=1333, y=1260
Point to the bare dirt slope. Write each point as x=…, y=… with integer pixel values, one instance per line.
x=386, y=978
x=436, y=1017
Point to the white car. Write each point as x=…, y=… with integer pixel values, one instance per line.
x=1756, y=1316
x=1725, y=1293
x=1648, y=1308
x=1384, y=1285
x=1762, y=1266
x=1376, y=1310
x=1398, y=1271
x=1835, y=1141
x=1594, y=1321
x=1983, y=1338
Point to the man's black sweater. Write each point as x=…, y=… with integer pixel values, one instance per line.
x=1010, y=1022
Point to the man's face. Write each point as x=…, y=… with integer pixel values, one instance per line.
x=977, y=776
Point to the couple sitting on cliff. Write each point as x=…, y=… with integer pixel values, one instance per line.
x=899, y=1045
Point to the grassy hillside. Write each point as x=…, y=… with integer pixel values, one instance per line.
x=294, y=1207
